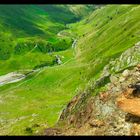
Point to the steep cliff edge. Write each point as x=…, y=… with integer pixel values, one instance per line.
x=109, y=112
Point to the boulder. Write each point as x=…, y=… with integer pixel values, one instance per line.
x=125, y=73
x=121, y=79
x=131, y=106
x=113, y=79
x=103, y=96
x=96, y=123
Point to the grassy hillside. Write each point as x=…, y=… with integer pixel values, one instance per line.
x=32, y=27
x=35, y=103
x=67, y=13
x=105, y=34
x=33, y=20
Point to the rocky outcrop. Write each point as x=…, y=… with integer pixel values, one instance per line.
x=131, y=106
x=114, y=111
x=129, y=100
x=129, y=58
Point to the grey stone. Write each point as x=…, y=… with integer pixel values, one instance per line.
x=113, y=79
x=121, y=79
x=125, y=73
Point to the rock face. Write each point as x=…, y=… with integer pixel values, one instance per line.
x=114, y=111
x=107, y=112
x=131, y=106
x=129, y=101
x=127, y=59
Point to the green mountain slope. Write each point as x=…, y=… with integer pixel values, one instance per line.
x=107, y=33
x=67, y=13
x=25, y=26
x=31, y=105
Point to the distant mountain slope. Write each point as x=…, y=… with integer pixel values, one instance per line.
x=68, y=13
x=30, y=19
x=25, y=26
x=83, y=10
